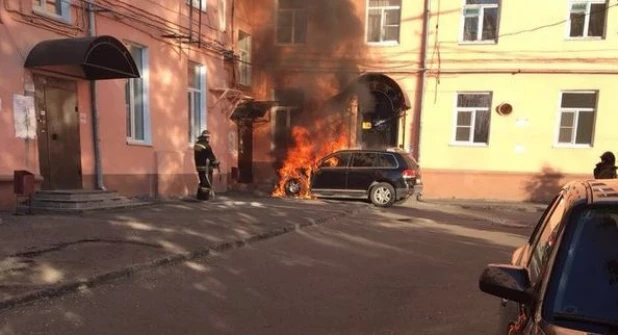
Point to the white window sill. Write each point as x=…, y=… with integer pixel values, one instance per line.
x=571, y=146
x=279, y=44
x=384, y=44
x=60, y=18
x=585, y=38
x=488, y=42
x=469, y=144
x=138, y=143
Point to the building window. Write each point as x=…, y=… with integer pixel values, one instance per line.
x=587, y=18
x=289, y=104
x=292, y=22
x=577, y=116
x=480, y=21
x=198, y=4
x=196, y=99
x=137, y=99
x=222, y=11
x=58, y=9
x=383, y=20
x=244, y=66
x=472, y=118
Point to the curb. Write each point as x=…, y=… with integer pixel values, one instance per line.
x=97, y=280
x=514, y=208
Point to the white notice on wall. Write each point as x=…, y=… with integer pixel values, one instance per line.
x=520, y=149
x=83, y=119
x=24, y=116
x=521, y=122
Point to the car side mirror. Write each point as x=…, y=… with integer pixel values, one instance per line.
x=509, y=282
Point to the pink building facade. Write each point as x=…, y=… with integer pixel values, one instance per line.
x=158, y=80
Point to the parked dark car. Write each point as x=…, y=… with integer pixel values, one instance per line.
x=382, y=176
x=564, y=280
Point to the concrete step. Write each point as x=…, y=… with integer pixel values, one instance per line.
x=75, y=196
x=78, y=201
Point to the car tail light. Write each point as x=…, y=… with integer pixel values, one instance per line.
x=409, y=174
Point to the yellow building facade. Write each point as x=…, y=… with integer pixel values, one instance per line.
x=518, y=98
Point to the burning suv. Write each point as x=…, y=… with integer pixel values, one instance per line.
x=382, y=176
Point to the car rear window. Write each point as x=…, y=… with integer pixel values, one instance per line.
x=410, y=161
x=587, y=283
x=386, y=161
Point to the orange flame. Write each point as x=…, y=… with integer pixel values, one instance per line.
x=304, y=155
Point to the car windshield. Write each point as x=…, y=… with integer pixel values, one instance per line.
x=587, y=285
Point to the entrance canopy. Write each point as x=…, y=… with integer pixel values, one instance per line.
x=91, y=58
x=251, y=110
x=378, y=82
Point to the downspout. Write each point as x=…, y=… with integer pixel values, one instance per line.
x=421, y=104
x=94, y=110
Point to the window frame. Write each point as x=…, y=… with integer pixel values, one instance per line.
x=222, y=15
x=288, y=122
x=201, y=91
x=567, y=32
x=349, y=162
x=278, y=10
x=196, y=4
x=564, y=217
x=577, y=111
x=383, y=10
x=65, y=10
x=245, y=64
x=145, y=77
x=358, y=153
x=481, y=7
x=470, y=143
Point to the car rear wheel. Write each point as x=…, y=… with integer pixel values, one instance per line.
x=382, y=195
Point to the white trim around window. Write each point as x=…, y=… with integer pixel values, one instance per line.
x=383, y=10
x=297, y=14
x=474, y=112
x=196, y=4
x=244, y=63
x=275, y=111
x=63, y=10
x=586, y=10
x=481, y=15
x=575, y=120
x=194, y=93
x=142, y=84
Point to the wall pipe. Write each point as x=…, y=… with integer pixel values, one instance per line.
x=423, y=79
x=94, y=110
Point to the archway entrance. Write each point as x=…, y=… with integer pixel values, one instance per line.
x=381, y=104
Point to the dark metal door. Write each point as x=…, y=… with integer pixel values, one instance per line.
x=245, y=152
x=58, y=133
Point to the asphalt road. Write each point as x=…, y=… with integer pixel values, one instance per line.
x=399, y=271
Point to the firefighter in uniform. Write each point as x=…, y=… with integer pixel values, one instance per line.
x=205, y=163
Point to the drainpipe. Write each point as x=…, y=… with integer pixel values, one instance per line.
x=425, y=43
x=93, y=107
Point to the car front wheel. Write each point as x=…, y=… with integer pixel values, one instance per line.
x=293, y=187
x=382, y=195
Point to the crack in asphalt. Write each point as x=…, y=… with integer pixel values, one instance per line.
x=61, y=246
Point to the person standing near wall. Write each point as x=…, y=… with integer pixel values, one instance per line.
x=606, y=168
x=205, y=163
